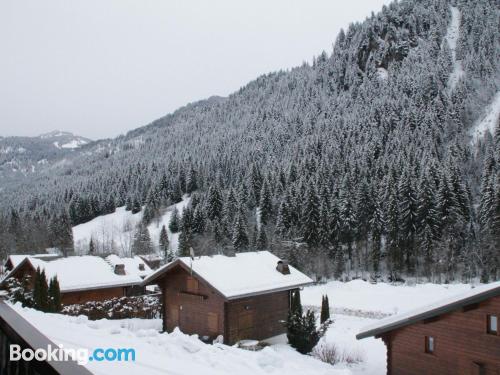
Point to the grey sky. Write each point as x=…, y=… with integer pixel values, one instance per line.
x=99, y=68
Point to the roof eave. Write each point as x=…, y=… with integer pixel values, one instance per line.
x=429, y=314
x=105, y=286
x=268, y=291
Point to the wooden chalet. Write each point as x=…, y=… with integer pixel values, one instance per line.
x=459, y=335
x=246, y=296
x=87, y=278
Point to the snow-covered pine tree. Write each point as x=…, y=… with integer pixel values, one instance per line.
x=142, y=240
x=174, y=224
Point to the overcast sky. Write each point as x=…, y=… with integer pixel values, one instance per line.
x=99, y=68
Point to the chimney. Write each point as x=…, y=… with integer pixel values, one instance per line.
x=120, y=269
x=282, y=267
x=141, y=267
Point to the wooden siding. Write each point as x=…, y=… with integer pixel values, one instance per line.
x=258, y=317
x=462, y=344
x=92, y=295
x=191, y=305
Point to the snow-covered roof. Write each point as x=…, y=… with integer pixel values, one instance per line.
x=444, y=306
x=15, y=259
x=240, y=275
x=81, y=273
x=132, y=265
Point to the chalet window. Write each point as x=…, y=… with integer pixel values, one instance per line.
x=192, y=285
x=492, y=324
x=429, y=344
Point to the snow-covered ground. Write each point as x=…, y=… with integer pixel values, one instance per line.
x=488, y=121
x=172, y=354
x=451, y=38
x=176, y=353
x=381, y=299
x=116, y=231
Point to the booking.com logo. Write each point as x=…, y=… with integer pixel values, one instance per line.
x=81, y=356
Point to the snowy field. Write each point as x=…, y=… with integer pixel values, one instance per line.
x=116, y=231
x=176, y=353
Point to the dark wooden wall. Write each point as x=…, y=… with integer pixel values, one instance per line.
x=191, y=305
x=258, y=317
x=91, y=295
x=461, y=344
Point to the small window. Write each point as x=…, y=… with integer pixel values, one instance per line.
x=492, y=324
x=429, y=344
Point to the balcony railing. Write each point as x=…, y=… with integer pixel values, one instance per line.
x=14, y=329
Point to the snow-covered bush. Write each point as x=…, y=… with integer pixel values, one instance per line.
x=146, y=307
x=328, y=353
x=19, y=291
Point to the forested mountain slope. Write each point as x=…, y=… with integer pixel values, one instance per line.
x=362, y=161
x=22, y=157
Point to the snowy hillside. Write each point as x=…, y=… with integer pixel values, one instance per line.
x=488, y=121
x=116, y=231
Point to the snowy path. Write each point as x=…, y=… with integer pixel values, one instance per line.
x=451, y=38
x=488, y=121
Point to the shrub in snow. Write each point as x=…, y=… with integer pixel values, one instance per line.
x=20, y=291
x=146, y=307
x=302, y=333
x=327, y=353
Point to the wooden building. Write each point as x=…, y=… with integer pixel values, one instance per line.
x=246, y=296
x=457, y=336
x=87, y=278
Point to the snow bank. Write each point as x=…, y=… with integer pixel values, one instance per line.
x=115, y=231
x=488, y=121
x=175, y=353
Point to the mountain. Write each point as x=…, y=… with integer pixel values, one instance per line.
x=366, y=160
x=25, y=156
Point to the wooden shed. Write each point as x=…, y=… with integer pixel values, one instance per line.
x=87, y=278
x=456, y=336
x=246, y=296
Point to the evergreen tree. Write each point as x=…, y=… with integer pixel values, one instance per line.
x=174, y=224
x=142, y=240
x=408, y=216
x=310, y=218
x=265, y=204
x=214, y=209
x=136, y=206
x=184, y=244
x=261, y=241
x=54, y=296
x=199, y=220
x=164, y=243
x=239, y=237
x=92, y=248
x=325, y=309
